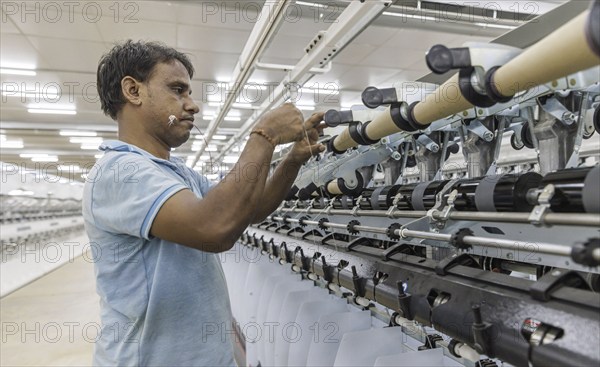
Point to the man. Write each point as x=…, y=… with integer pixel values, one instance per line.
x=156, y=225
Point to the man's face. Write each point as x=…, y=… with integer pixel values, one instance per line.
x=169, y=93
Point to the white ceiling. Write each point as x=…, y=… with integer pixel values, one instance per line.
x=64, y=45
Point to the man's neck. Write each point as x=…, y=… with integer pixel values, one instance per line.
x=147, y=143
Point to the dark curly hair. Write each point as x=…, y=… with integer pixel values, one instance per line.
x=134, y=59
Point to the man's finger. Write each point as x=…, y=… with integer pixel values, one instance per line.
x=314, y=120
x=317, y=148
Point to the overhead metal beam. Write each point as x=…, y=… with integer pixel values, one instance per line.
x=321, y=50
x=272, y=14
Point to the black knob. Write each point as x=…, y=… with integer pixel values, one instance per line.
x=373, y=97
x=441, y=59
x=334, y=118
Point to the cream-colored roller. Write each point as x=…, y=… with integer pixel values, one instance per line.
x=344, y=141
x=333, y=188
x=563, y=52
x=445, y=101
x=382, y=125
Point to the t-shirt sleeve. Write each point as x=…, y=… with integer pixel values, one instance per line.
x=127, y=193
x=205, y=184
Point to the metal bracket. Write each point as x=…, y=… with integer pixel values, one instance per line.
x=499, y=134
x=559, y=111
x=356, y=207
x=477, y=128
x=429, y=144
x=574, y=158
x=537, y=214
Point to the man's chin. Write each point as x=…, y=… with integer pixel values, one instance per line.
x=179, y=141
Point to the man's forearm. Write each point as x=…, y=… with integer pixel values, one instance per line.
x=276, y=188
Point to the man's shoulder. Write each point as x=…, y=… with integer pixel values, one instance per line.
x=115, y=167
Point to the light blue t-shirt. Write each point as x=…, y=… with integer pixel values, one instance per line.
x=162, y=304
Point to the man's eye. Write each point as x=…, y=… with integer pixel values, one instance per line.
x=178, y=89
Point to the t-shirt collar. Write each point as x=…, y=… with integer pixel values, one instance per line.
x=121, y=146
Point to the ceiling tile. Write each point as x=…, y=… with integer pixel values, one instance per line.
x=360, y=77
x=74, y=55
x=8, y=25
x=220, y=14
x=375, y=35
x=211, y=65
x=143, y=30
x=59, y=23
x=211, y=39
x=354, y=53
x=16, y=50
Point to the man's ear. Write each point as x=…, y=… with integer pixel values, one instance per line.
x=131, y=90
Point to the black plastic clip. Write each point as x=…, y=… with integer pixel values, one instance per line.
x=284, y=254
x=304, y=261
x=273, y=249
x=431, y=342
x=327, y=270
x=358, y=282
x=542, y=289
x=481, y=332
x=449, y=262
x=253, y=240
x=378, y=277
x=404, y=301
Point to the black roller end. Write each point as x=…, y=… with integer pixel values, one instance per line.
x=306, y=193
x=526, y=136
x=592, y=28
x=332, y=118
x=372, y=97
x=292, y=193
x=331, y=147
x=439, y=59
x=597, y=119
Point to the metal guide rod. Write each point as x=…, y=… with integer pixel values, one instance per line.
x=576, y=219
x=547, y=248
x=265, y=28
x=563, y=52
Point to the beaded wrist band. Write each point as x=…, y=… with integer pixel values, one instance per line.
x=262, y=133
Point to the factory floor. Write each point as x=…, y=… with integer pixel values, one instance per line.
x=52, y=321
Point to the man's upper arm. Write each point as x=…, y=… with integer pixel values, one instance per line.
x=128, y=192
